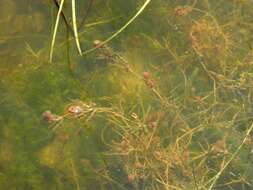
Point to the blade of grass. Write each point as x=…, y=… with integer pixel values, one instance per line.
x=75, y=27
x=122, y=28
x=55, y=31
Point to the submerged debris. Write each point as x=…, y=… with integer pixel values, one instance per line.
x=105, y=53
x=182, y=10
x=134, y=116
x=75, y=110
x=97, y=43
x=49, y=117
x=219, y=147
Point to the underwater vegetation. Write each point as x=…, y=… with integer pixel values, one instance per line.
x=133, y=95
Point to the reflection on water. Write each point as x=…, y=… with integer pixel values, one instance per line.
x=167, y=104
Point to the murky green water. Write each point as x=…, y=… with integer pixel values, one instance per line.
x=166, y=104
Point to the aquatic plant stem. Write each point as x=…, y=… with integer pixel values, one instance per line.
x=217, y=176
x=64, y=17
x=121, y=29
x=75, y=175
x=75, y=27
x=55, y=31
x=86, y=14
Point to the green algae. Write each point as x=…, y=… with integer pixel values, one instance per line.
x=169, y=99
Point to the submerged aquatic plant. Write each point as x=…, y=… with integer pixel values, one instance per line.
x=166, y=105
x=76, y=32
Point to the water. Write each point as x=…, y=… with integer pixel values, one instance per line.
x=167, y=104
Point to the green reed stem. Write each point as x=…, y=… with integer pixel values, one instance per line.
x=75, y=27
x=55, y=31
